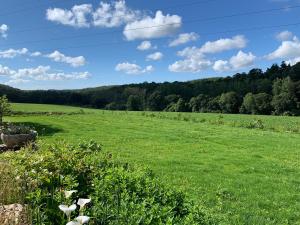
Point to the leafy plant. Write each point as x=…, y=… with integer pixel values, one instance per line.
x=120, y=193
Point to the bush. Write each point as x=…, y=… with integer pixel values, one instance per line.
x=120, y=193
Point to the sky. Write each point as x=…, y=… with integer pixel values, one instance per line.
x=72, y=44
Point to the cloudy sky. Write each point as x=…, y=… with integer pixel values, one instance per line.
x=66, y=44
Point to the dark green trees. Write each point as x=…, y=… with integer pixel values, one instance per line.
x=257, y=104
x=284, y=97
x=229, y=102
x=4, y=107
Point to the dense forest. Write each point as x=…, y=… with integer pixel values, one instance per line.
x=275, y=91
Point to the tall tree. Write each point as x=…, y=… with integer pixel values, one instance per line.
x=5, y=107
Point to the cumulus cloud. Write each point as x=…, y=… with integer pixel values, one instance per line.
x=145, y=45
x=196, y=58
x=236, y=62
x=39, y=73
x=184, y=38
x=73, y=61
x=192, y=65
x=76, y=17
x=3, y=30
x=224, y=44
x=221, y=66
x=293, y=61
x=12, y=53
x=114, y=14
x=287, y=50
x=284, y=36
x=130, y=68
x=155, y=56
x=148, y=27
x=35, y=54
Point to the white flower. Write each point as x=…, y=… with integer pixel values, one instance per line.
x=73, y=223
x=68, y=194
x=82, y=219
x=83, y=201
x=67, y=209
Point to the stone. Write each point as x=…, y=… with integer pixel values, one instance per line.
x=14, y=214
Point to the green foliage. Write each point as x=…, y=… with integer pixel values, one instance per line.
x=199, y=103
x=134, y=103
x=156, y=101
x=4, y=107
x=284, y=96
x=256, y=104
x=121, y=194
x=229, y=102
x=194, y=152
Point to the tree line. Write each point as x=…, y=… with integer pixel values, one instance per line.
x=274, y=91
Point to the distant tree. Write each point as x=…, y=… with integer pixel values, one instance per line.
x=199, y=103
x=172, y=99
x=213, y=105
x=5, y=107
x=229, y=102
x=256, y=104
x=284, y=96
x=181, y=106
x=248, y=105
x=134, y=103
x=156, y=101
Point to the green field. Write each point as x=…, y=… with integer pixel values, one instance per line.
x=246, y=168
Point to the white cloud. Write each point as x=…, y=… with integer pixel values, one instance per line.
x=221, y=66
x=155, y=56
x=145, y=45
x=224, y=44
x=293, y=61
x=193, y=65
x=35, y=54
x=220, y=45
x=73, y=61
x=284, y=35
x=242, y=60
x=147, y=28
x=12, y=53
x=129, y=68
x=184, y=38
x=287, y=50
x=39, y=73
x=114, y=14
x=3, y=30
x=236, y=62
x=16, y=81
x=5, y=71
x=76, y=17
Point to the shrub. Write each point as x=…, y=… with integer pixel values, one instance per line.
x=120, y=193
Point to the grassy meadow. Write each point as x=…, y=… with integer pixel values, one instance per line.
x=244, y=167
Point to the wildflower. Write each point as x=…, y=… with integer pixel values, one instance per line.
x=68, y=194
x=82, y=219
x=67, y=209
x=82, y=202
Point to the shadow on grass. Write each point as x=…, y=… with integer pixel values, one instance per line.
x=42, y=129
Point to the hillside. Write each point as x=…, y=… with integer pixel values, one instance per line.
x=278, y=84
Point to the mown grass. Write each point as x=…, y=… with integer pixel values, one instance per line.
x=248, y=173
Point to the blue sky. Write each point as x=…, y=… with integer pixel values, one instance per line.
x=71, y=44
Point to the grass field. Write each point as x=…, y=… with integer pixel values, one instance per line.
x=246, y=168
